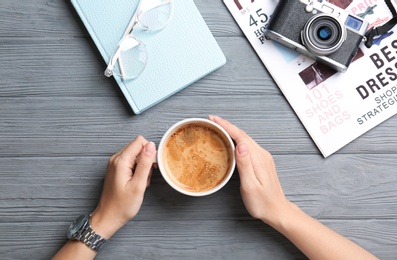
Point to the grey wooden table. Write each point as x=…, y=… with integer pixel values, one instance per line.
x=60, y=120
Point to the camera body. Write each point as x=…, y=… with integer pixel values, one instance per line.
x=321, y=31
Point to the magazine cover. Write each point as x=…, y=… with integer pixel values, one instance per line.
x=335, y=107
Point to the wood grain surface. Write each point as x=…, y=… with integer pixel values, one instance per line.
x=61, y=119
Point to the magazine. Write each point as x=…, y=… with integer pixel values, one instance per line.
x=334, y=107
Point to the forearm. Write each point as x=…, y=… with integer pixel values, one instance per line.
x=314, y=239
x=75, y=250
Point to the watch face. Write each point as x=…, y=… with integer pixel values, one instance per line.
x=77, y=225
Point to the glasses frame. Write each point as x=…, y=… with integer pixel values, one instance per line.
x=135, y=20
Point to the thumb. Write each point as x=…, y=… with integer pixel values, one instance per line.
x=145, y=163
x=244, y=164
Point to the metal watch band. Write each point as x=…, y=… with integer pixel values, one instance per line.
x=92, y=240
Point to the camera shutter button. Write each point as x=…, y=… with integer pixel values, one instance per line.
x=309, y=8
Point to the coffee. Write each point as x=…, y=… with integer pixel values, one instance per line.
x=197, y=157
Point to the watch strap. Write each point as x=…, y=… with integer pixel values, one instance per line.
x=92, y=239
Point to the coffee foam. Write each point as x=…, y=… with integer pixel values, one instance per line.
x=197, y=157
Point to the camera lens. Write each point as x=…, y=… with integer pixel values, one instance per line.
x=323, y=34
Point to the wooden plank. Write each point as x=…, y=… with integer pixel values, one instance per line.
x=57, y=18
x=73, y=126
x=97, y=126
x=74, y=67
x=341, y=187
x=200, y=239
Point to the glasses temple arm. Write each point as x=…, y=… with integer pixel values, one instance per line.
x=109, y=68
x=134, y=20
x=148, y=7
x=122, y=70
x=139, y=10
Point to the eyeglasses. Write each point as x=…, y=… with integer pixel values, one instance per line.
x=130, y=57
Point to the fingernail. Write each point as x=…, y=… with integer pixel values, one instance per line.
x=150, y=148
x=242, y=149
x=213, y=118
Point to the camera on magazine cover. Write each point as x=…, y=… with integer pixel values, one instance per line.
x=319, y=30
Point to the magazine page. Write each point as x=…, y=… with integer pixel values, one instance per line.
x=334, y=107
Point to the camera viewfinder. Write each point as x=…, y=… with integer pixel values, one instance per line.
x=353, y=22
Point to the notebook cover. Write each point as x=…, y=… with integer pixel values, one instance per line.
x=178, y=55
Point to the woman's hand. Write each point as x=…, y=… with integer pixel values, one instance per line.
x=125, y=183
x=260, y=188
x=264, y=199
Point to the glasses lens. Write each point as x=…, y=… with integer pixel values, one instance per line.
x=157, y=16
x=132, y=58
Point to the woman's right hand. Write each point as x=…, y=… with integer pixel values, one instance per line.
x=260, y=188
x=264, y=199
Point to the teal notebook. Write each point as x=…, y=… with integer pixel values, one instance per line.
x=178, y=55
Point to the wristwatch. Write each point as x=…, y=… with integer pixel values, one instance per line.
x=81, y=230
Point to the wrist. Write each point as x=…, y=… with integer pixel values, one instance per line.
x=103, y=225
x=283, y=215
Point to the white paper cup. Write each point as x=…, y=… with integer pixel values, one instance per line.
x=169, y=177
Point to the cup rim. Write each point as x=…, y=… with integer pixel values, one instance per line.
x=160, y=159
